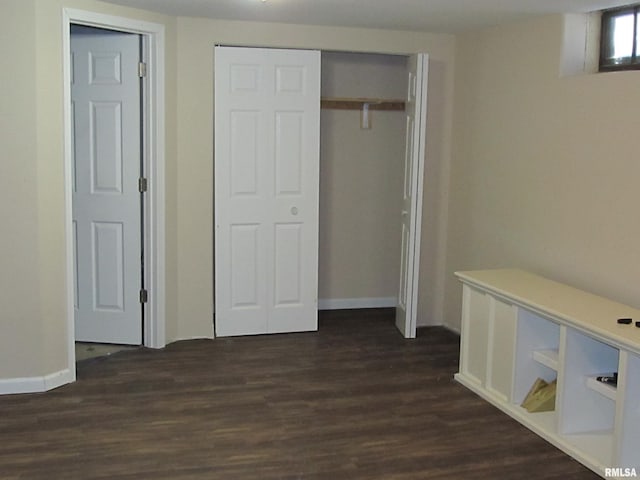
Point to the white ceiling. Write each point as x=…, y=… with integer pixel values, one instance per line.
x=438, y=16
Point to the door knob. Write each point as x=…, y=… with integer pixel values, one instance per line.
x=405, y=213
x=294, y=210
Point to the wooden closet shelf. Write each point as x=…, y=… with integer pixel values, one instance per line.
x=358, y=104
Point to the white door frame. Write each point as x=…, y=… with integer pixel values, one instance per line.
x=153, y=166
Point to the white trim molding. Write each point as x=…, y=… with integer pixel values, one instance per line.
x=353, y=303
x=36, y=384
x=200, y=337
x=451, y=328
x=154, y=169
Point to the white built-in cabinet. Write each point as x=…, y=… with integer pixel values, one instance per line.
x=517, y=327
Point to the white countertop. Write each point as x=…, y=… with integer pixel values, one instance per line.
x=588, y=312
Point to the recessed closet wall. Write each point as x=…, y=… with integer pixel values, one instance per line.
x=361, y=181
x=190, y=191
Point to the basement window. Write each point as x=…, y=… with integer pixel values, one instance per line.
x=620, y=39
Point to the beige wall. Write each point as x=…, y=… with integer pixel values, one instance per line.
x=545, y=169
x=196, y=39
x=361, y=174
x=20, y=321
x=33, y=331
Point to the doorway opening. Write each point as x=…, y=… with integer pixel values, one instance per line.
x=369, y=256
x=109, y=177
x=108, y=170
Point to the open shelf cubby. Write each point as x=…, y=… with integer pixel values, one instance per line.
x=537, y=342
x=536, y=356
x=585, y=409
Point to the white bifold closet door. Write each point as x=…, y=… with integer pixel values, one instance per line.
x=411, y=215
x=267, y=135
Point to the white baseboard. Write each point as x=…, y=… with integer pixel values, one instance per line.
x=351, y=303
x=10, y=386
x=452, y=328
x=195, y=337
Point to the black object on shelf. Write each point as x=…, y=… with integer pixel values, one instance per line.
x=609, y=379
x=626, y=321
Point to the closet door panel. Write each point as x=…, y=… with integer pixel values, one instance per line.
x=475, y=325
x=267, y=129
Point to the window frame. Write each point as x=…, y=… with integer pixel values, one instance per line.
x=605, y=44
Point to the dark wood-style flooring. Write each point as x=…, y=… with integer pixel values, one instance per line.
x=352, y=401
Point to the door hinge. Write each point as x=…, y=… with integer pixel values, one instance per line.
x=142, y=69
x=142, y=184
x=144, y=295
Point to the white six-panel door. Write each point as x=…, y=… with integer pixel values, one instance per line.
x=416, y=115
x=105, y=94
x=267, y=128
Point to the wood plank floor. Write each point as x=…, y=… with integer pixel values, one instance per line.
x=352, y=401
